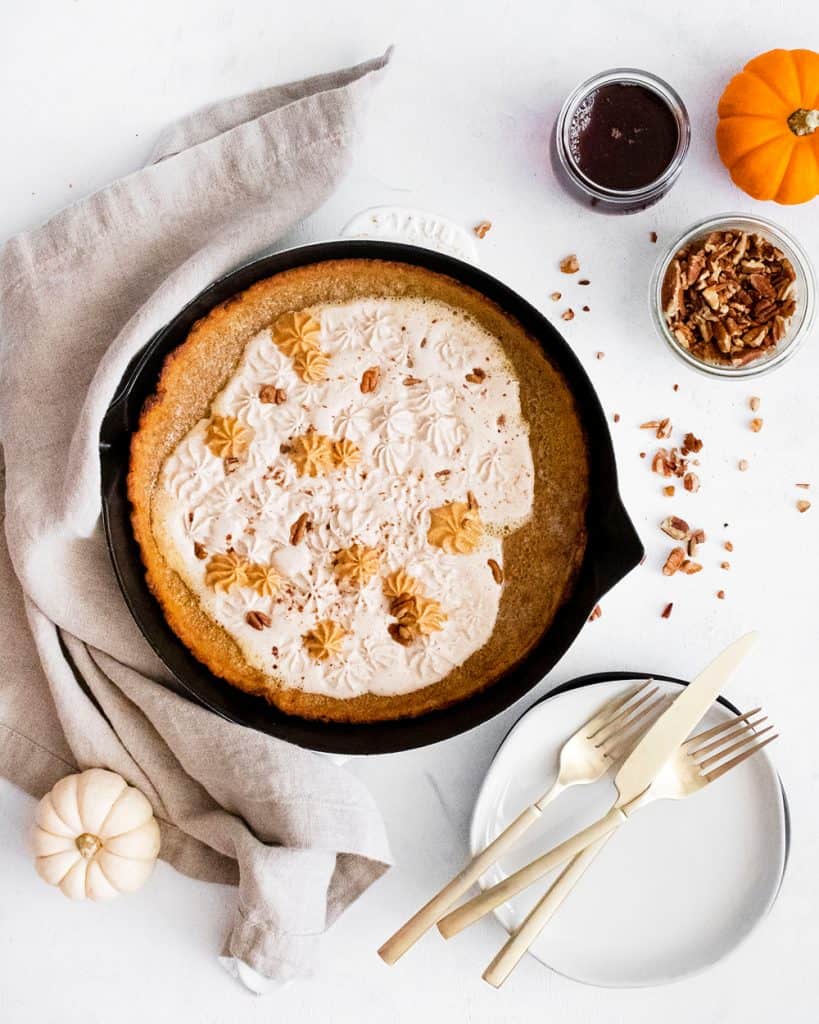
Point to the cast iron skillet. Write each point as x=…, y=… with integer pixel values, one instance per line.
x=613, y=547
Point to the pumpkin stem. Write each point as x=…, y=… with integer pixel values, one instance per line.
x=803, y=122
x=88, y=844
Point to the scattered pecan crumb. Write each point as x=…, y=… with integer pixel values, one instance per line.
x=803, y=505
x=675, y=387
x=411, y=381
x=483, y=228
x=495, y=569
x=477, y=376
x=231, y=463
x=743, y=465
x=756, y=424
x=616, y=417
x=370, y=380
x=401, y=634
x=666, y=612
x=642, y=455
x=674, y=561
x=691, y=482
x=670, y=491
x=299, y=528
x=200, y=550
x=725, y=565
x=570, y=264
x=556, y=296
x=653, y=238
x=754, y=403
x=587, y=309
x=567, y=314
x=599, y=355
x=597, y=611
x=584, y=281
x=805, y=487
x=258, y=620
x=676, y=528
x=269, y=394
x=721, y=595
x=664, y=429
x=728, y=546
x=650, y=425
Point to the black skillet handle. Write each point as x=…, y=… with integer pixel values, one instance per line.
x=617, y=548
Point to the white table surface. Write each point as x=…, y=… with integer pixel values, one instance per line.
x=460, y=126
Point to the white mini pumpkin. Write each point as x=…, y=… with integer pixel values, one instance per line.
x=95, y=836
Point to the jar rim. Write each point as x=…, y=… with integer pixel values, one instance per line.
x=625, y=76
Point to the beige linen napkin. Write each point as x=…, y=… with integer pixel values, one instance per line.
x=80, y=687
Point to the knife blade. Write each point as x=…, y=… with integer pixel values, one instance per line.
x=647, y=759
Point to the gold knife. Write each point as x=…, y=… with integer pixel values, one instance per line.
x=633, y=779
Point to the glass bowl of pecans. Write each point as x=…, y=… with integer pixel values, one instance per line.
x=734, y=296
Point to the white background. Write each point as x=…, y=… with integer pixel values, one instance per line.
x=460, y=126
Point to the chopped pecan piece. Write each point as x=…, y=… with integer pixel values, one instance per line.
x=483, y=228
x=567, y=314
x=676, y=528
x=570, y=264
x=596, y=612
x=756, y=424
x=477, y=376
x=674, y=561
x=370, y=380
x=299, y=528
x=200, y=550
x=803, y=505
x=691, y=482
x=258, y=620
x=666, y=612
x=495, y=569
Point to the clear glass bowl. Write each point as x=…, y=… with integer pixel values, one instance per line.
x=800, y=325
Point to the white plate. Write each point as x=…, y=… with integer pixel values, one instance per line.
x=675, y=890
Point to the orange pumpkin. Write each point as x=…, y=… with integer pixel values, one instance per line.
x=768, y=129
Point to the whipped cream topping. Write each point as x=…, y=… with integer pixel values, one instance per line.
x=427, y=436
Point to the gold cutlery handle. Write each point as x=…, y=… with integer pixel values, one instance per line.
x=409, y=933
x=476, y=908
x=520, y=942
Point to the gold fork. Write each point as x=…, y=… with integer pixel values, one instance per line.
x=697, y=763
x=585, y=757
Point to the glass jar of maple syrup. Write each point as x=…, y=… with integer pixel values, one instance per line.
x=620, y=140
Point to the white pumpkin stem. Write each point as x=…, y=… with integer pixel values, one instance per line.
x=88, y=844
x=803, y=122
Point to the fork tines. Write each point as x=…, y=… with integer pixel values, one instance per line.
x=619, y=727
x=741, y=737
